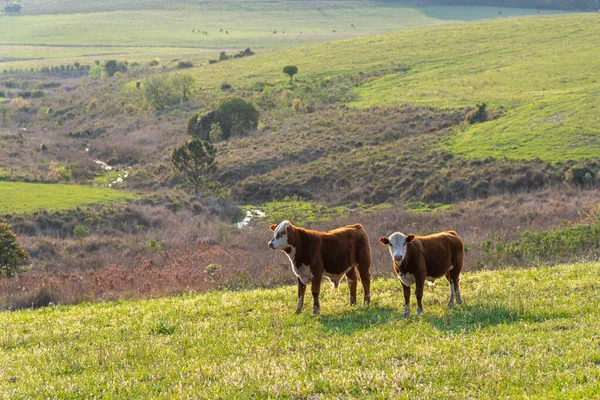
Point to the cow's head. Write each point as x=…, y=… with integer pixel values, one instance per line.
x=397, y=244
x=283, y=237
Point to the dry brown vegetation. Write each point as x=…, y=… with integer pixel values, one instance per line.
x=177, y=251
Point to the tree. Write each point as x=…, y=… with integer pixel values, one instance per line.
x=160, y=92
x=290, y=70
x=12, y=256
x=12, y=7
x=183, y=84
x=193, y=162
x=110, y=67
x=236, y=116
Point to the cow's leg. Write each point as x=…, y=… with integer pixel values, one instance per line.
x=419, y=293
x=452, y=290
x=365, y=278
x=457, y=289
x=301, y=291
x=352, y=284
x=316, y=289
x=406, y=290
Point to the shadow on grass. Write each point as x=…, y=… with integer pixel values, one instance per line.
x=359, y=318
x=469, y=318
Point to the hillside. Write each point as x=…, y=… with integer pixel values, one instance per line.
x=538, y=72
x=151, y=28
x=518, y=334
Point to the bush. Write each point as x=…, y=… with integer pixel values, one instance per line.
x=223, y=56
x=185, y=64
x=79, y=232
x=479, y=114
x=225, y=86
x=160, y=92
x=36, y=94
x=581, y=176
x=237, y=116
x=12, y=256
x=193, y=162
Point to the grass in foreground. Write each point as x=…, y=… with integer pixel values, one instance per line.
x=520, y=333
x=19, y=197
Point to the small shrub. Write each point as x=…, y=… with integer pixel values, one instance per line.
x=223, y=56
x=154, y=246
x=80, y=232
x=478, y=115
x=43, y=148
x=212, y=61
x=12, y=256
x=225, y=86
x=212, y=269
x=581, y=176
x=36, y=94
x=185, y=64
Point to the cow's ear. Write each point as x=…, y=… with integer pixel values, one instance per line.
x=410, y=238
x=384, y=241
x=273, y=227
x=289, y=229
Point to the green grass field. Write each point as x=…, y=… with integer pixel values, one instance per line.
x=19, y=197
x=540, y=71
x=99, y=26
x=520, y=334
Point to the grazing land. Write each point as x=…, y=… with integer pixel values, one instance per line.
x=176, y=29
x=539, y=82
x=20, y=197
x=518, y=334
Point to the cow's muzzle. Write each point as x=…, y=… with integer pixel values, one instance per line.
x=271, y=245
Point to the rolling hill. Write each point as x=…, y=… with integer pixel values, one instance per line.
x=538, y=73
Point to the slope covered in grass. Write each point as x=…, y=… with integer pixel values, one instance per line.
x=178, y=25
x=518, y=334
x=19, y=197
x=539, y=72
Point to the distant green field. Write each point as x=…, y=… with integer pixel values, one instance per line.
x=518, y=335
x=230, y=24
x=19, y=197
x=540, y=71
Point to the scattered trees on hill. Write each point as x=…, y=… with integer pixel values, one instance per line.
x=290, y=70
x=193, y=162
x=12, y=256
x=233, y=117
x=184, y=85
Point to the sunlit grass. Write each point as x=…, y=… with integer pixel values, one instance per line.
x=520, y=333
x=20, y=197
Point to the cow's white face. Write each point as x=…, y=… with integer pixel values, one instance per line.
x=397, y=244
x=280, y=237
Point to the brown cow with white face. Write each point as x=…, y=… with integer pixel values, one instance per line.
x=334, y=254
x=420, y=258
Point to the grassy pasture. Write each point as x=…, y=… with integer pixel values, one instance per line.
x=519, y=334
x=19, y=197
x=540, y=71
x=249, y=24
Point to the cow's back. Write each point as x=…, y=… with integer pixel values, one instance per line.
x=441, y=251
x=341, y=248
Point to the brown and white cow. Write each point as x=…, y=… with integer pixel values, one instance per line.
x=420, y=258
x=337, y=253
